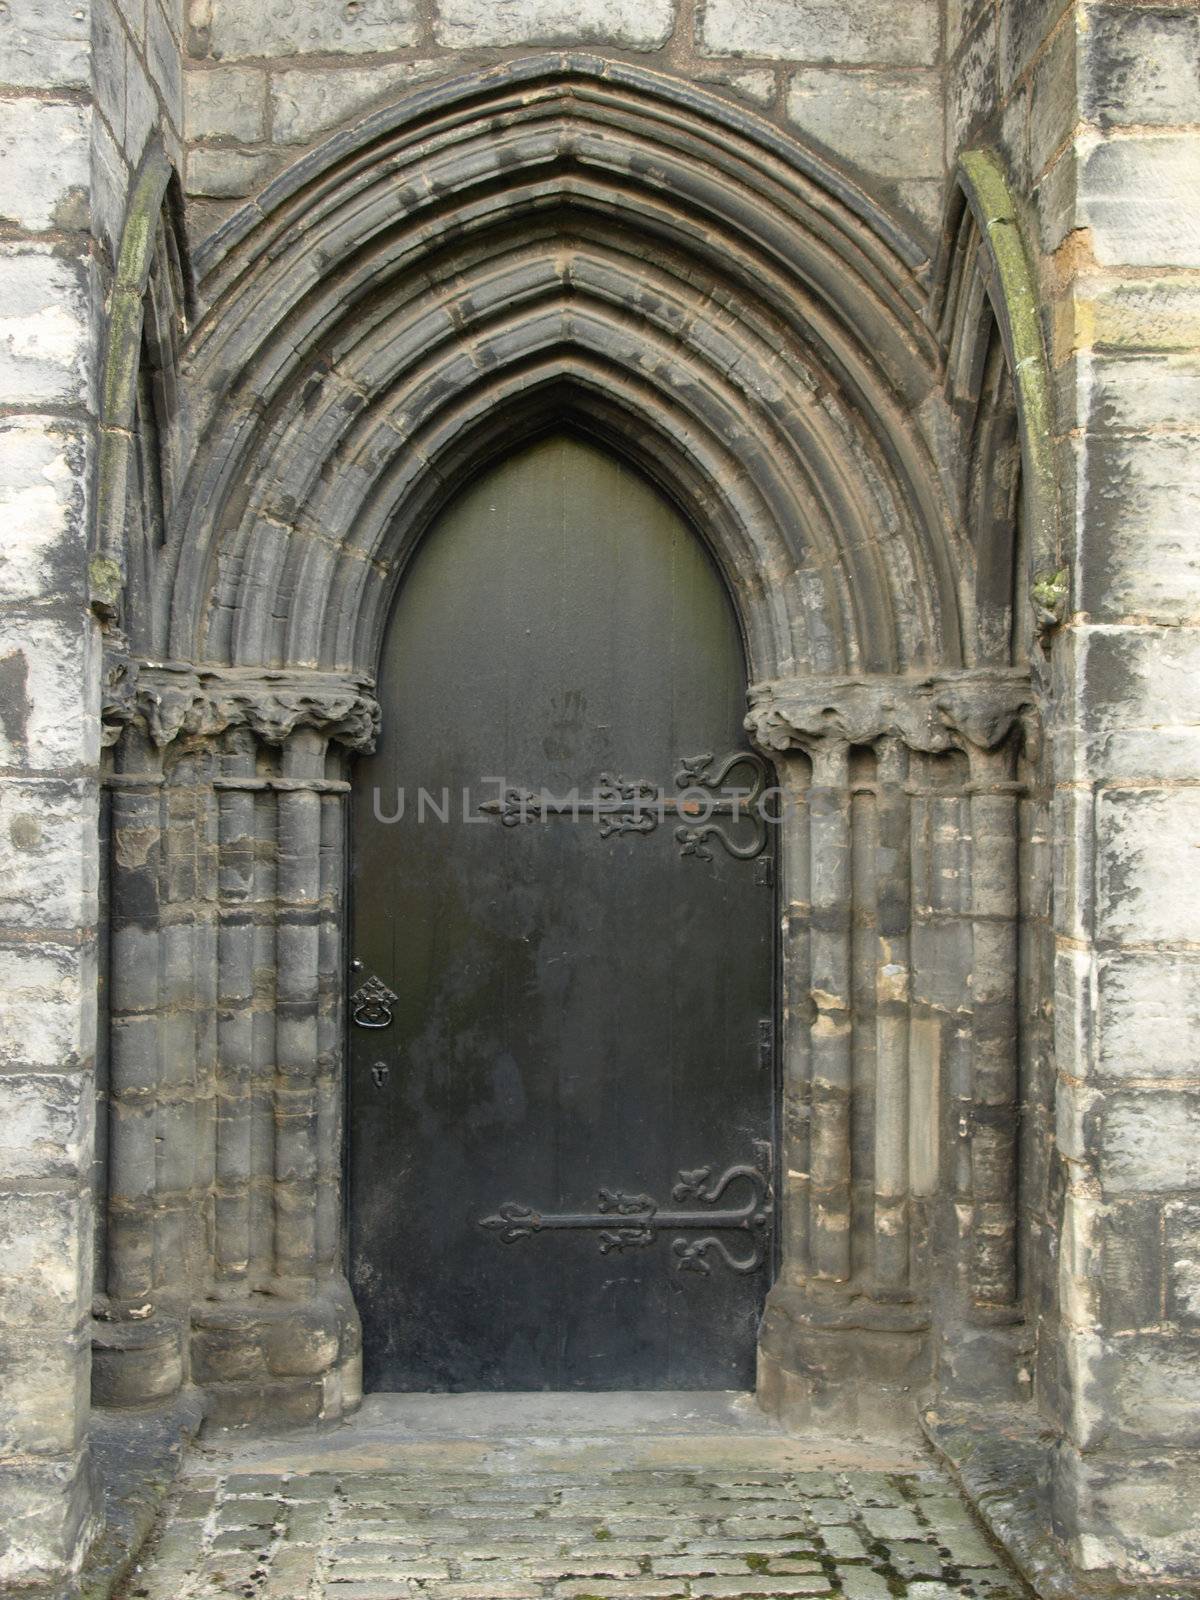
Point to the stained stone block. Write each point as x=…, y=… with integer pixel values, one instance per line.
x=1148, y=1141
x=884, y=32
x=1133, y=1510
x=46, y=1124
x=45, y=322
x=1149, y=1014
x=45, y=1257
x=633, y=24
x=46, y=1508
x=1139, y=315
x=49, y=879
x=44, y=1396
x=306, y=104
x=1137, y=195
x=227, y=103
x=47, y=1013
x=163, y=58
x=43, y=504
x=45, y=666
x=1147, y=841
x=1142, y=498
x=1182, y=1250
x=45, y=44
x=889, y=124
x=142, y=114
x=302, y=27
x=1054, y=102
x=1137, y=692
x=225, y=174
x=1132, y=392
x=1140, y=65
x=44, y=164
x=1025, y=25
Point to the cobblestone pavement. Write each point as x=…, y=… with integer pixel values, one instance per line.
x=695, y=1515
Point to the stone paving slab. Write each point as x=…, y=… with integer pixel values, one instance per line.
x=369, y=1513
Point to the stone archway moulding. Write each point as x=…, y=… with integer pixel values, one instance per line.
x=559, y=242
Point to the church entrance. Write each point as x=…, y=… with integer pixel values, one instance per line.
x=562, y=1012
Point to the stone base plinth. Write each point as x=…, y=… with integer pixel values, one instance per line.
x=137, y=1363
x=269, y=1361
x=853, y=1368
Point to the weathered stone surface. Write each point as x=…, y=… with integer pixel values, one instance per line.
x=227, y=103
x=45, y=44
x=851, y=31
x=45, y=1257
x=1182, y=1249
x=46, y=1122
x=44, y=150
x=1140, y=65
x=43, y=505
x=46, y=1013
x=44, y=1397
x=227, y=30
x=524, y=1524
x=45, y=355
x=889, y=124
x=221, y=174
x=1147, y=841
x=1149, y=1143
x=1140, y=499
x=1135, y=195
x=1148, y=1014
x=43, y=663
x=634, y=24
x=307, y=103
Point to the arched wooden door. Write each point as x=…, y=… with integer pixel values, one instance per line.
x=562, y=1064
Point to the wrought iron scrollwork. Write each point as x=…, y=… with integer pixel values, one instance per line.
x=371, y=1004
x=633, y=1221
x=620, y=805
x=704, y=773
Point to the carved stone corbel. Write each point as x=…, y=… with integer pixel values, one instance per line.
x=172, y=700
x=941, y=711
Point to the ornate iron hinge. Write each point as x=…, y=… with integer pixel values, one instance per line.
x=632, y=1221
x=619, y=805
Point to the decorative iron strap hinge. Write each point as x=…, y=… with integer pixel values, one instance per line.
x=632, y=1221
x=621, y=806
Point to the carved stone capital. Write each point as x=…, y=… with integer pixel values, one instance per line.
x=171, y=700
x=941, y=711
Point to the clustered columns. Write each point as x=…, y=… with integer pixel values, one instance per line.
x=901, y=1041
x=221, y=1244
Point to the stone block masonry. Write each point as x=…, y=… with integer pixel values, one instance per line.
x=861, y=81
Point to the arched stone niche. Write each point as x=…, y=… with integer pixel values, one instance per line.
x=563, y=242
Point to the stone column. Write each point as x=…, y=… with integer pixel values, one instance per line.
x=846, y=1338
x=830, y=984
x=245, y=1007
x=137, y=1346
x=892, y=1004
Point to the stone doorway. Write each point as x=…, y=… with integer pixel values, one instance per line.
x=562, y=1067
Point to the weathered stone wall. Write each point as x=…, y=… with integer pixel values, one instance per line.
x=858, y=79
x=1096, y=109
x=84, y=88
x=48, y=752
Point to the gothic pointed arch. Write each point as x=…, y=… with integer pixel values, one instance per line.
x=563, y=236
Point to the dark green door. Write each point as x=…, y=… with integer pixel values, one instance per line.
x=562, y=1081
